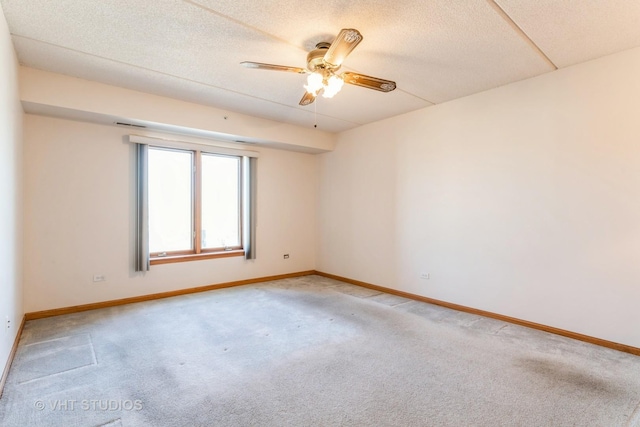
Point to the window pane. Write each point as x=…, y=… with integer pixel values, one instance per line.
x=170, y=205
x=220, y=201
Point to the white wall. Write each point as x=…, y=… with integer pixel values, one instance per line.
x=79, y=183
x=10, y=194
x=523, y=200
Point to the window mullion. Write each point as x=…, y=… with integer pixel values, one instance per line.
x=197, y=202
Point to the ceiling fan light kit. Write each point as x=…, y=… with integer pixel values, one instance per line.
x=322, y=64
x=324, y=81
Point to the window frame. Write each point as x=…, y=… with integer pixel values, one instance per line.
x=197, y=252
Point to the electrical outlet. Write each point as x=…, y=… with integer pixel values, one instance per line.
x=99, y=278
x=425, y=276
x=286, y=256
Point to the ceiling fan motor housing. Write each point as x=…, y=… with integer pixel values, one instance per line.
x=315, y=58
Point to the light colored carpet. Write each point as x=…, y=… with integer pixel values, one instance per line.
x=309, y=351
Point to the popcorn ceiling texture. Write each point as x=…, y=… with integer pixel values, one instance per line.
x=574, y=31
x=309, y=351
x=435, y=50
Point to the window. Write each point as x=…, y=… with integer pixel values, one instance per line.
x=194, y=204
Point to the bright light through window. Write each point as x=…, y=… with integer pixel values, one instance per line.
x=170, y=200
x=194, y=202
x=220, y=201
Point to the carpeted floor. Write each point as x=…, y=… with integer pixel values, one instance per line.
x=309, y=351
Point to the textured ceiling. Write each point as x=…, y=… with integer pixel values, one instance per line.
x=435, y=50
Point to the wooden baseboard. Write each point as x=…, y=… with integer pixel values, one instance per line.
x=12, y=354
x=112, y=303
x=550, y=329
x=131, y=300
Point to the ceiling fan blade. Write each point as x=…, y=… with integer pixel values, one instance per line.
x=307, y=98
x=369, y=82
x=261, y=66
x=345, y=42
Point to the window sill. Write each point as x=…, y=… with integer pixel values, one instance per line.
x=195, y=257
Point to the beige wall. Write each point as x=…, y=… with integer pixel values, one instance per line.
x=523, y=200
x=10, y=195
x=57, y=95
x=79, y=218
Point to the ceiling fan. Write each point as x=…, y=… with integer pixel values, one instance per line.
x=322, y=64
